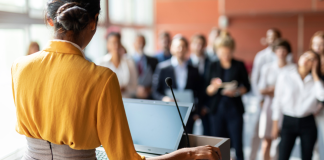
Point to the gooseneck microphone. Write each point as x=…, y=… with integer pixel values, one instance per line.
x=168, y=81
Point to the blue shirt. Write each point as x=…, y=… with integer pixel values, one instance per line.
x=160, y=56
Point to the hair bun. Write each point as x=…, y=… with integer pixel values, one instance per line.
x=72, y=17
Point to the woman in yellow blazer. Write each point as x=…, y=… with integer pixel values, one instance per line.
x=67, y=106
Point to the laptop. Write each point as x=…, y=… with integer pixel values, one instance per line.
x=181, y=95
x=155, y=126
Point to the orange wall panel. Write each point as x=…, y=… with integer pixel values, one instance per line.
x=186, y=11
x=266, y=6
x=248, y=32
x=312, y=24
x=319, y=4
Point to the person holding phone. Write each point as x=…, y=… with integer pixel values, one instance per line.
x=228, y=81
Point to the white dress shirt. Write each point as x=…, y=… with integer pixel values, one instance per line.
x=181, y=73
x=296, y=97
x=263, y=57
x=270, y=73
x=198, y=62
x=75, y=45
x=126, y=73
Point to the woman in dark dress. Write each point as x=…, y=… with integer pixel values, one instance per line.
x=228, y=81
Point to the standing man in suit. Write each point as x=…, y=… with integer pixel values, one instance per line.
x=184, y=76
x=165, y=42
x=201, y=61
x=210, y=50
x=145, y=67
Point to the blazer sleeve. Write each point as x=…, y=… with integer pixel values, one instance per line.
x=244, y=77
x=112, y=126
x=211, y=67
x=157, y=84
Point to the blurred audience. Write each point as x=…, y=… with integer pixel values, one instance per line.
x=33, y=48
x=263, y=57
x=164, y=42
x=200, y=60
x=287, y=94
x=268, y=78
x=145, y=68
x=121, y=64
x=296, y=97
x=184, y=75
x=229, y=80
x=210, y=50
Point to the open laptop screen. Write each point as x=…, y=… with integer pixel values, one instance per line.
x=156, y=126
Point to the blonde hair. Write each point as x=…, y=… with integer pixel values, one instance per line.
x=224, y=40
x=317, y=34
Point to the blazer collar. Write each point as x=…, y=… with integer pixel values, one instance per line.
x=66, y=47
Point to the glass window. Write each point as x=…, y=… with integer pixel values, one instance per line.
x=136, y=12
x=13, y=5
x=103, y=12
x=37, y=4
x=96, y=49
x=37, y=8
x=41, y=34
x=143, y=12
x=13, y=45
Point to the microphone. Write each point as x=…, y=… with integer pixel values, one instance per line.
x=168, y=82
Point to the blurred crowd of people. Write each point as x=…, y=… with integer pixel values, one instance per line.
x=290, y=93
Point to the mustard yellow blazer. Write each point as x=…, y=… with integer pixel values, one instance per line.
x=64, y=99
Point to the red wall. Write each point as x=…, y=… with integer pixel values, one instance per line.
x=248, y=20
x=186, y=16
x=266, y=6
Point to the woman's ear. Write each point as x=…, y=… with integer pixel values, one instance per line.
x=50, y=21
x=94, y=23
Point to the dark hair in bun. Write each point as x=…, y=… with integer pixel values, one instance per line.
x=72, y=15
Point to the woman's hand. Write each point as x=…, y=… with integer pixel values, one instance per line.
x=201, y=152
x=229, y=92
x=315, y=70
x=206, y=152
x=215, y=83
x=167, y=99
x=269, y=91
x=275, y=130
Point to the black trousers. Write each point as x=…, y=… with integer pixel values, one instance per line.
x=228, y=122
x=292, y=127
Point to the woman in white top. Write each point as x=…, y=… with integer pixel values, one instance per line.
x=317, y=45
x=297, y=94
x=268, y=78
x=121, y=64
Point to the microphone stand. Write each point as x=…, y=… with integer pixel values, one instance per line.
x=184, y=127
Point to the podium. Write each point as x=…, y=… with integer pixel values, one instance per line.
x=223, y=144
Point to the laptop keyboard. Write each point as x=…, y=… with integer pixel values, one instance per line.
x=101, y=155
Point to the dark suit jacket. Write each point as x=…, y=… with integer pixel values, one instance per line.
x=152, y=62
x=164, y=70
x=145, y=79
x=237, y=72
x=204, y=97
